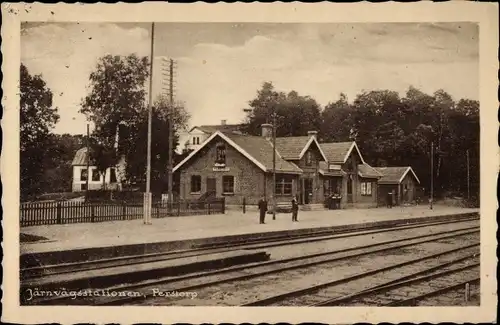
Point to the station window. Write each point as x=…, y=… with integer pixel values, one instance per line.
x=220, y=154
x=195, y=184
x=283, y=185
x=308, y=158
x=366, y=188
x=228, y=184
x=332, y=186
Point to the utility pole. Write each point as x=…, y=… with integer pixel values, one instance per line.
x=170, y=135
x=170, y=73
x=468, y=176
x=432, y=174
x=274, y=166
x=88, y=162
x=147, y=195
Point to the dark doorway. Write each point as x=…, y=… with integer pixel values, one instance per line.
x=211, y=187
x=308, y=186
x=349, y=188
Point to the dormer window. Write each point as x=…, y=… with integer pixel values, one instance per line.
x=220, y=159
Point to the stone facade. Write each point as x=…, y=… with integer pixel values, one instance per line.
x=244, y=174
x=249, y=180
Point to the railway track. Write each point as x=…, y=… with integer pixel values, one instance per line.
x=266, y=272
x=408, y=292
x=39, y=271
x=399, y=290
x=249, y=272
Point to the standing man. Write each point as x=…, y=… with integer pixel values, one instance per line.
x=389, y=200
x=262, y=209
x=295, y=208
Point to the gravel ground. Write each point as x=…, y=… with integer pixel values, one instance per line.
x=241, y=292
x=343, y=243
x=454, y=298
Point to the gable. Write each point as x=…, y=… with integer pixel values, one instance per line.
x=395, y=175
x=354, y=156
x=196, y=131
x=339, y=152
x=313, y=153
x=256, y=149
x=290, y=148
x=294, y=148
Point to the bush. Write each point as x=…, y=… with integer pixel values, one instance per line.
x=62, y=196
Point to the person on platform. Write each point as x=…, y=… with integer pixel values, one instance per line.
x=295, y=209
x=262, y=209
x=389, y=200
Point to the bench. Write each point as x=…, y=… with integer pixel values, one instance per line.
x=281, y=207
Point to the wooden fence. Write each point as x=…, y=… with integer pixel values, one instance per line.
x=52, y=213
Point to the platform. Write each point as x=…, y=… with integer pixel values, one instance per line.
x=145, y=271
x=112, y=238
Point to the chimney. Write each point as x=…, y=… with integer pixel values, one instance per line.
x=223, y=122
x=312, y=133
x=267, y=131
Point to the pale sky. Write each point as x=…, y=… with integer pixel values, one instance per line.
x=222, y=65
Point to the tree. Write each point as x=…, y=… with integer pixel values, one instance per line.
x=37, y=118
x=136, y=155
x=295, y=114
x=116, y=98
x=372, y=115
x=336, y=121
x=57, y=162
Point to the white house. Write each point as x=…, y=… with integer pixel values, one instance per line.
x=95, y=179
x=193, y=139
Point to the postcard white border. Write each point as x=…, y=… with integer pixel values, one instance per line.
x=485, y=14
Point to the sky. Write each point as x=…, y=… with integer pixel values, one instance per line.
x=220, y=66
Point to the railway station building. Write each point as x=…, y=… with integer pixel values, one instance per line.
x=240, y=168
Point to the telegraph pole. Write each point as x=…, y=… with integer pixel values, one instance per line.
x=432, y=174
x=170, y=73
x=170, y=134
x=147, y=195
x=274, y=166
x=88, y=162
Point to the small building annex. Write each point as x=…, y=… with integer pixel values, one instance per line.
x=402, y=182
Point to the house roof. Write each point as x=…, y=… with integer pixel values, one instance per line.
x=257, y=149
x=80, y=158
x=324, y=169
x=395, y=175
x=367, y=171
x=262, y=150
x=294, y=148
x=338, y=152
x=209, y=129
